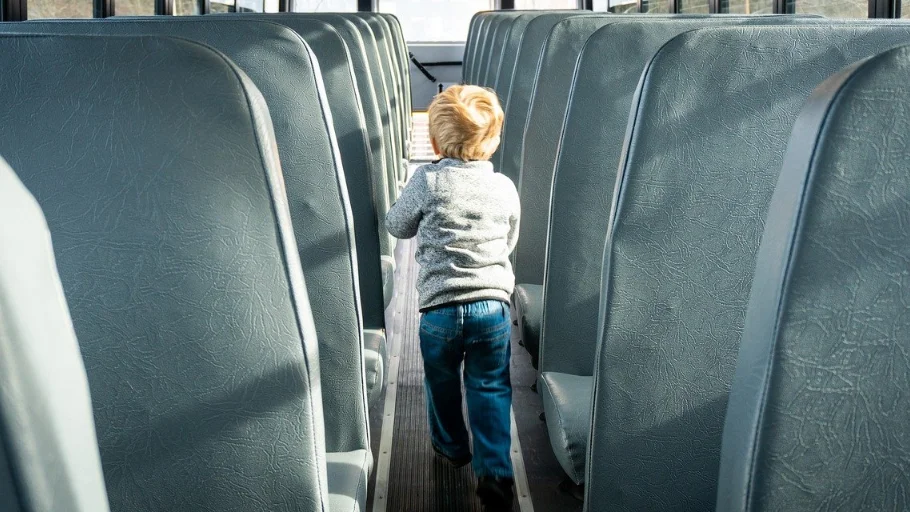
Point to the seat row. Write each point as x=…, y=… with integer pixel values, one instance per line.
x=191, y=172
x=713, y=295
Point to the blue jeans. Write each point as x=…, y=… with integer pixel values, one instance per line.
x=477, y=334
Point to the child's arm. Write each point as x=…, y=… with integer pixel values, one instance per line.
x=404, y=216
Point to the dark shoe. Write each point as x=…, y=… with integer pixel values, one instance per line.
x=495, y=494
x=456, y=463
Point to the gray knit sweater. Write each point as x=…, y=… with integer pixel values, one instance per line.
x=466, y=219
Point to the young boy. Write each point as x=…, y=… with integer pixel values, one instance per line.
x=466, y=218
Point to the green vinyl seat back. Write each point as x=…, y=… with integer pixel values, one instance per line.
x=48, y=444
x=177, y=259
x=376, y=59
x=315, y=184
x=519, y=101
x=401, y=49
x=335, y=58
x=492, y=49
x=582, y=194
x=697, y=171
x=816, y=419
x=392, y=68
x=550, y=94
x=470, y=44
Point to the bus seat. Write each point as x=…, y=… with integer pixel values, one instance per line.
x=483, y=32
x=529, y=52
x=368, y=86
x=384, y=42
x=314, y=183
x=503, y=79
x=471, y=43
x=376, y=359
x=378, y=72
x=48, y=450
x=568, y=412
x=353, y=144
x=819, y=385
x=400, y=47
x=681, y=247
x=544, y=123
x=492, y=49
x=526, y=302
x=336, y=61
x=583, y=186
x=344, y=474
x=397, y=53
x=388, y=279
x=175, y=250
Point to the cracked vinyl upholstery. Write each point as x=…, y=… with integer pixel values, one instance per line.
x=494, y=47
x=516, y=111
x=385, y=44
x=375, y=61
x=48, y=451
x=546, y=113
x=682, y=248
x=348, y=121
x=822, y=375
x=583, y=185
x=176, y=256
x=314, y=182
x=471, y=43
x=400, y=48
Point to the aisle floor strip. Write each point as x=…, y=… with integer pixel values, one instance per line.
x=384, y=463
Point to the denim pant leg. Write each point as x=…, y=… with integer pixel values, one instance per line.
x=488, y=388
x=441, y=344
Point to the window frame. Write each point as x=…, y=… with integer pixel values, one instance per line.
x=17, y=10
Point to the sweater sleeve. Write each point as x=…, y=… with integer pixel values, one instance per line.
x=404, y=216
x=514, y=219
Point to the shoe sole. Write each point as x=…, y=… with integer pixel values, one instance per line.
x=457, y=464
x=491, y=499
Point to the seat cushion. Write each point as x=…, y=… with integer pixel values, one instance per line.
x=388, y=279
x=567, y=405
x=374, y=360
x=528, y=303
x=348, y=473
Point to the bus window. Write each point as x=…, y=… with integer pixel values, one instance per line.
x=325, y=6
x=255, y=6
x=747, y=6
x=546, y=4
x=435, y=21
x=616, y=6
x=186, y=7
x=655, y=6
x=833, y=8
x=219, y=6
x=905, y=8
x=46, y=9
x=694, y=6
x=134, y=8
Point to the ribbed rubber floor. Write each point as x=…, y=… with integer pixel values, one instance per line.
x=418, y=480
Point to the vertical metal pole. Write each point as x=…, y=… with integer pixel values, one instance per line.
x=164, y=7
x=103, y=8
x=13, y=10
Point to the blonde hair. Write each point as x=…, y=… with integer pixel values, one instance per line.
x=466, y=121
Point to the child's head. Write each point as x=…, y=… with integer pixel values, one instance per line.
x=465, y=122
